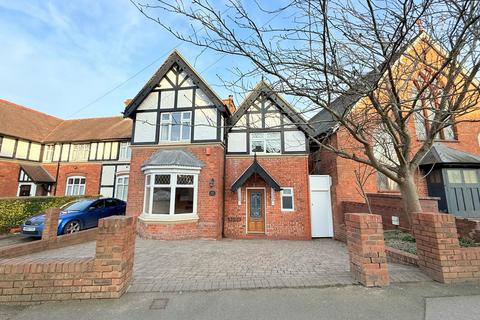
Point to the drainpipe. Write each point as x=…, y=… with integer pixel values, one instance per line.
x=224, y=187
x=56, y=176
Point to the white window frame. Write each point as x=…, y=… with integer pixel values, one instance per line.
x=147, y=214
x=125, y=153
x=33, y=188
x=264, y=140
x=72, y=185
x=121, y=185
x=183, y=122
x=291, y=195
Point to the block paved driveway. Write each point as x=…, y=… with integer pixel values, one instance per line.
x=190, y=265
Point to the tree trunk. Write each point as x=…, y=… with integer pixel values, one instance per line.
x=411, y=201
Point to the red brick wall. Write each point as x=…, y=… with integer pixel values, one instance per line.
x=288, y=171
x=366, y=248
x=91, y=171
x=209, y=208
x=388, y=205
x=9, y=172
x=439, y=253
x=468, y=228
x=107, y=275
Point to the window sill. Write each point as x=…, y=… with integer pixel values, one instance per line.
x=168, y=219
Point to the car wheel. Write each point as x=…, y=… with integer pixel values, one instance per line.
x=72, y=227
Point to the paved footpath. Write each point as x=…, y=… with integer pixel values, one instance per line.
x=399, y=301
x=192, y=265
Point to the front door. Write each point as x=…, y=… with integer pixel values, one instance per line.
x=256, y=211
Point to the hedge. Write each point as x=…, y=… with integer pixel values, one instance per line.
x=14, y=211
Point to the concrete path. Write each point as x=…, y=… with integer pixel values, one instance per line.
x=397, y=302
x=192, y=265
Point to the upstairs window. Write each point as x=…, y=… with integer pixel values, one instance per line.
x=48, y=153
x=125, y=151
x=79, y=152
x=265, y=142
x=175, y=126
x=427, y=103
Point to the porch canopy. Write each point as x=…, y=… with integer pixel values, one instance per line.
x=255, y=168
x=37, y=173
x=442, y=155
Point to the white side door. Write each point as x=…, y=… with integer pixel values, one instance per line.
x=321, y=207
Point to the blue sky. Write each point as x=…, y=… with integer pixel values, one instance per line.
x=58, y=56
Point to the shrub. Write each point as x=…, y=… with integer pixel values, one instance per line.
x=408, y=237
x=467, y=242
x=13, y=211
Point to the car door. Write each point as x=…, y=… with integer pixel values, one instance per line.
x=95, y=212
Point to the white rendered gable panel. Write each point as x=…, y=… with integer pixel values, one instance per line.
x=294, y=141
x=150, y=102
x=145, y=127
x=205, y=124
x=237, y=142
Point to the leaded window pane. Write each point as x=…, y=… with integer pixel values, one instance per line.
x=258, y=146
x=470, y=176
x=183, y=200
x=454, y=176
x=185, y=179
x=161, y=201
x=162, y=179
x=273, y=146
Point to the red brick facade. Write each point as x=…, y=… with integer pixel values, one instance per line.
x=9, y=172
x=342, y=171
x=288, y=171
x=209, y=207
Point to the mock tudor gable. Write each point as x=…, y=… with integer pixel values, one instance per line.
x=176, y=105
x=265, y=121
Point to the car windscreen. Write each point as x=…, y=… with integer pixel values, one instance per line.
x=79, y=206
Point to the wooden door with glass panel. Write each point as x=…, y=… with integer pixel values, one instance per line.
x=256, y=211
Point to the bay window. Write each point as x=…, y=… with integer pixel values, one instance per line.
x=170, y=194
x=175, y=126
x=265, y=142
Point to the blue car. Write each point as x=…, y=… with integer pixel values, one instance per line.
x=80, y=215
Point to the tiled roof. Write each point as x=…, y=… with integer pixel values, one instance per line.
x=175, y=157
x=441, y=154
x=37, y=173
x=22, y=122
x=91, y=129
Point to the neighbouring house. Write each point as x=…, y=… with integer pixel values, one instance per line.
x=43, y=155
x=449, y=173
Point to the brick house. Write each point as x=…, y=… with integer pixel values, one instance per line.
x=202, y=169
x=43, y=155
x=449, y=173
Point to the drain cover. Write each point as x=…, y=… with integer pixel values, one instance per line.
x=158, y=304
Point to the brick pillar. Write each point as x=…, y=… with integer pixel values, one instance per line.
x=114, y=254
x=436, y=238
x=366, y=248
x=50, y=226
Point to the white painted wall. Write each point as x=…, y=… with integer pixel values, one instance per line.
x=205, y=124
x=8, y=146
x=34, y=151
x=22, y=150
x=106, y=192
x=108, y=175
x=150, y=102
x=145, y=131
x=237, y=142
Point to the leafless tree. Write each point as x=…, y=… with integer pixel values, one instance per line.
x=347, y=58
x=362, y=174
